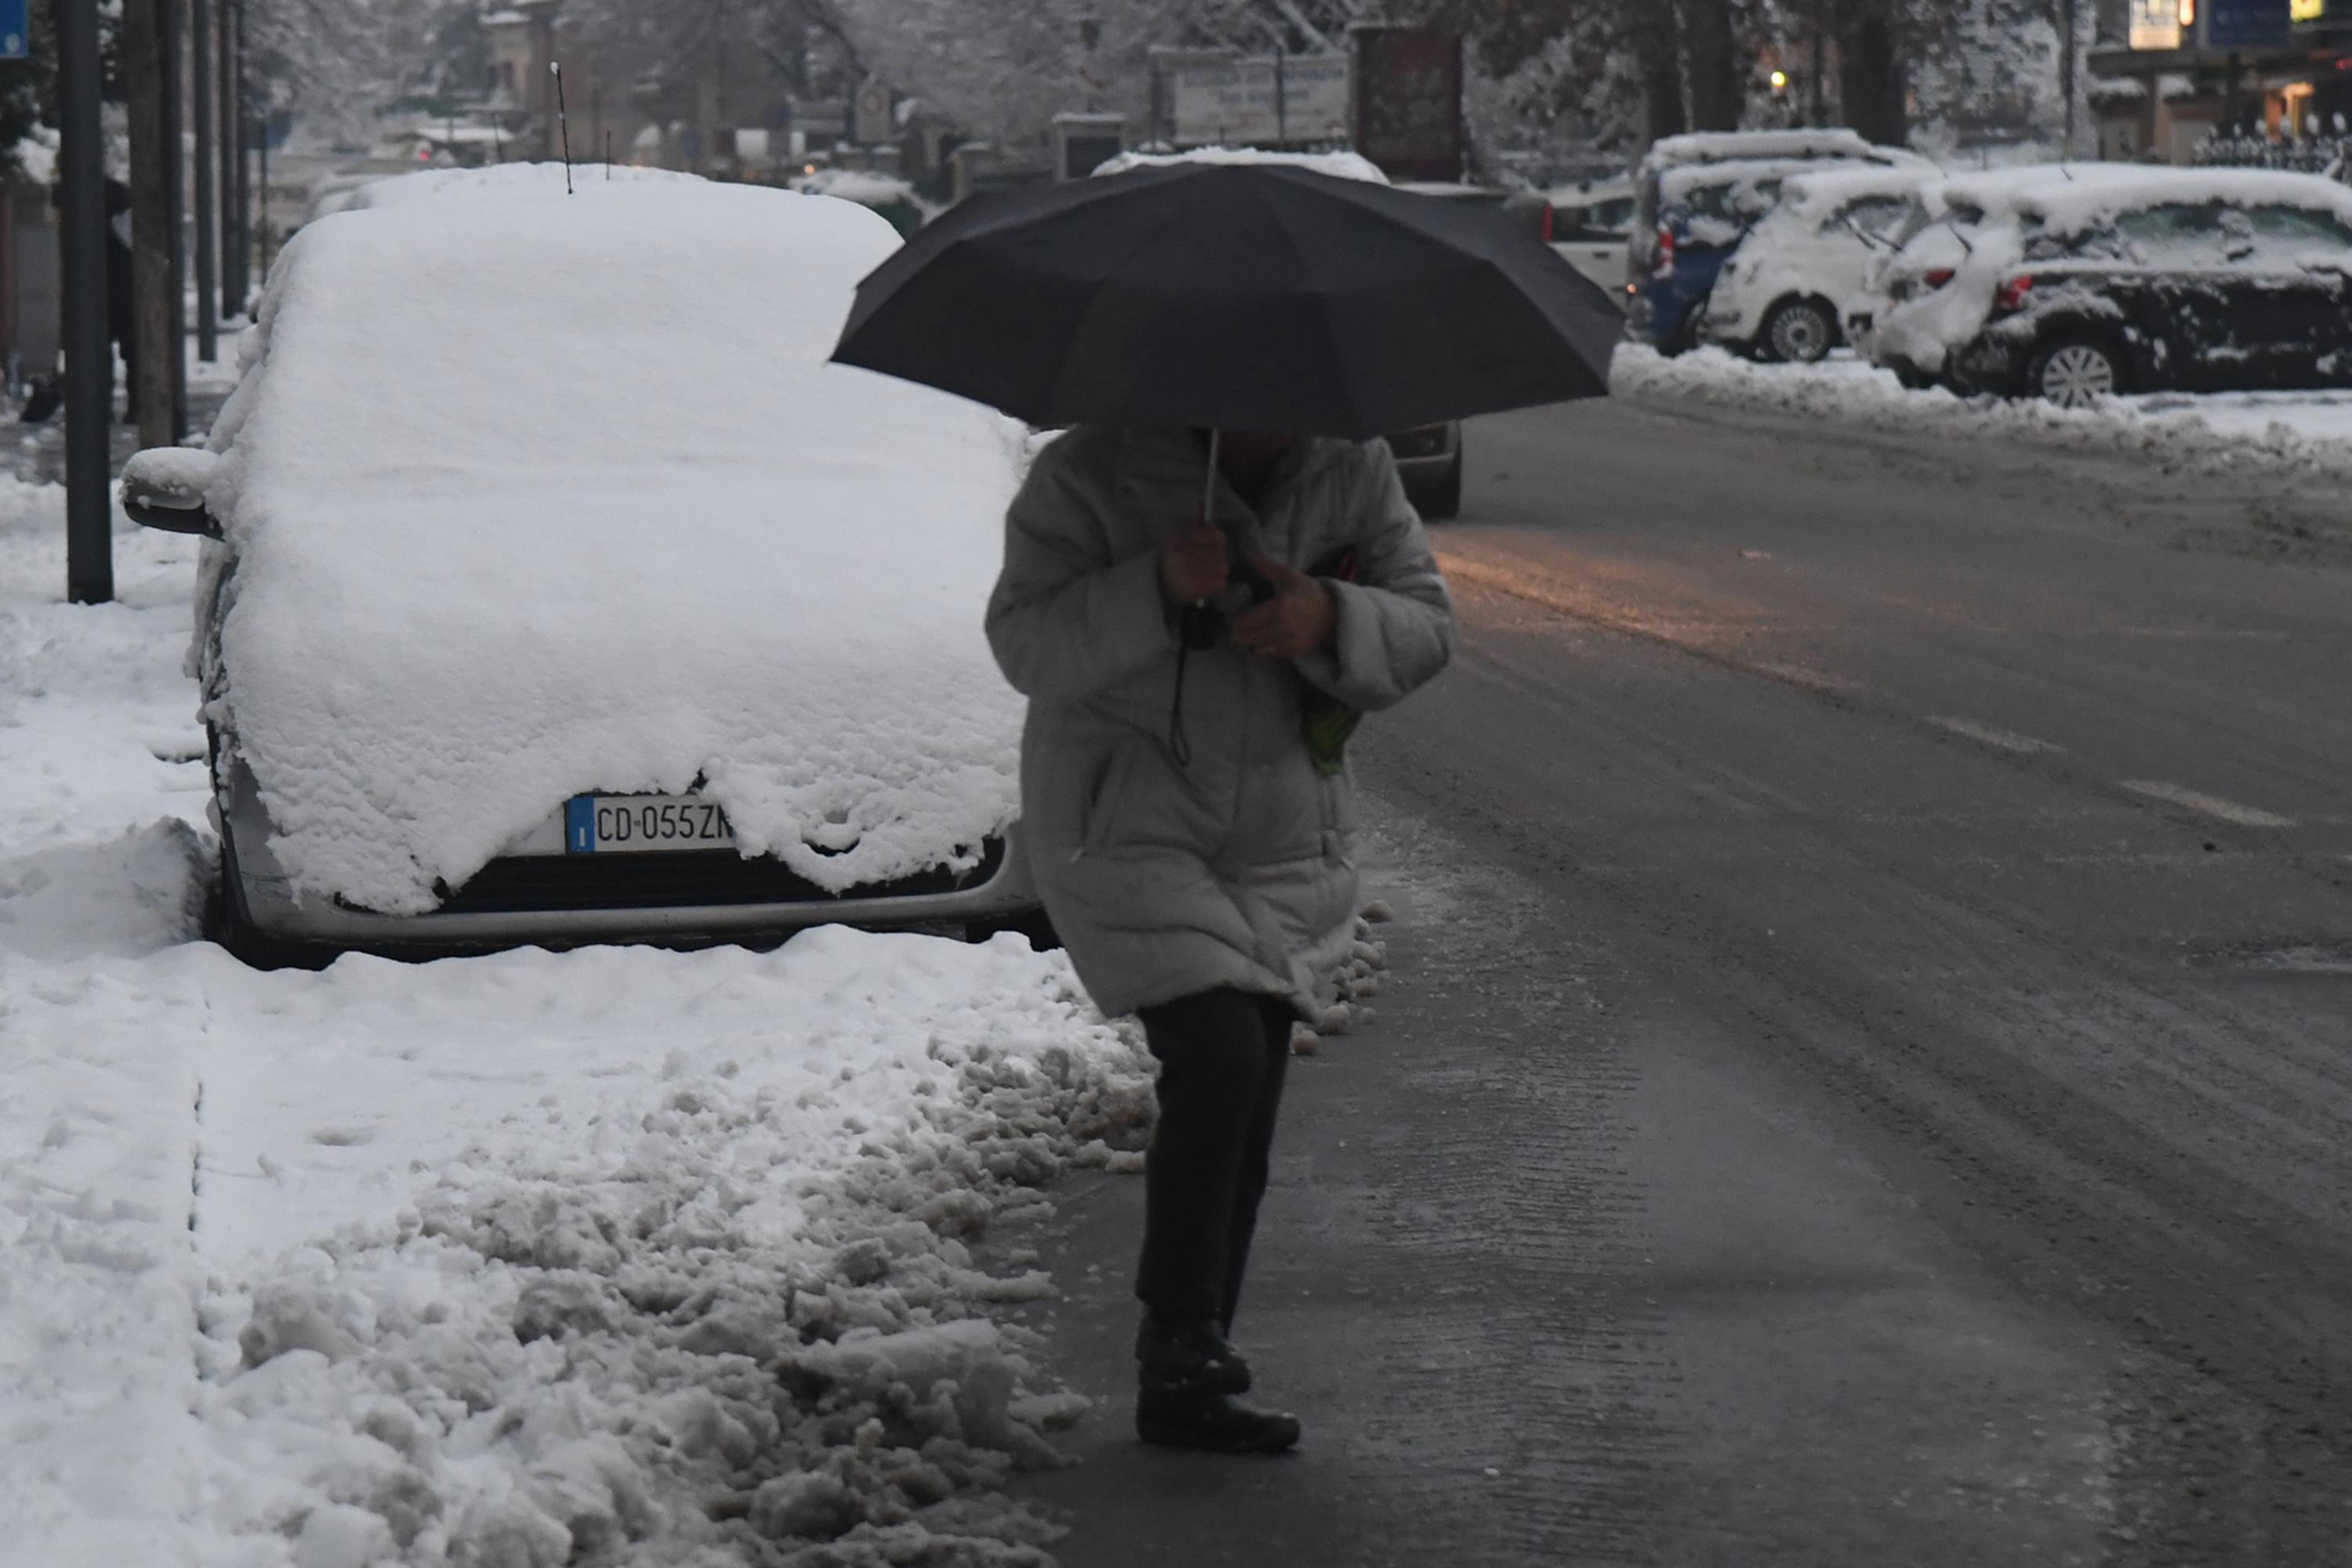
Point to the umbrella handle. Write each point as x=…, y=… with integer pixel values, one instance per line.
x=1239, y=567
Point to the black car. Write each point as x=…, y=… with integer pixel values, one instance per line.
x=2189, y=295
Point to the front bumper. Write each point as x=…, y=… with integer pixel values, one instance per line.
x=497, y=910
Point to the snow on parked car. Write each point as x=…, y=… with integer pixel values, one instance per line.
x=1907, y=322
x=1802, y=268
x=564, y=592
x=2130, y=279
x=1696, y=197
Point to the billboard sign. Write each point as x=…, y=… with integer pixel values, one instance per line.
x=1229, y=103
x=16, y=35
x=1265, y=101
x=1315, y=97
x=1408, y=109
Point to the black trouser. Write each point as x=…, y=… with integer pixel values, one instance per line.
x=1222, y=1058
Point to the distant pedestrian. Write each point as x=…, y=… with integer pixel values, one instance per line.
x=1187, y=811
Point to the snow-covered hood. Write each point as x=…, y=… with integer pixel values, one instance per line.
x=534, y=495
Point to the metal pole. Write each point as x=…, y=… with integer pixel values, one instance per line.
x=261, y=156
x=175, y=170
x=200, y=74
x=230, y=305
x=90, y=363
x=148, y=344
x=244, y=168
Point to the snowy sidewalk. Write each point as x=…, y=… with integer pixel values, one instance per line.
x=2287, y=434
x=657, y=1257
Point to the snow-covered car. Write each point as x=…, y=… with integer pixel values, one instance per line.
x=1907, y=319
x=1802, y=270
x=1591, y=223
x=2122, y=278
x=2187, y=280
x=563, y=592
x=1696, y=196
x=1429, y=459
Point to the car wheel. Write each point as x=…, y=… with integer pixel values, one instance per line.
x=2075, y=372
x=1438, y=499
x=1800, y=333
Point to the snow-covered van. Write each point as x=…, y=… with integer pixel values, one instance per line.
x=1802, y=268
x=561, y=592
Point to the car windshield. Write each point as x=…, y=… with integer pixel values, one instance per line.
x=1740, y=201
x=1874, y=215
x=1614, y=216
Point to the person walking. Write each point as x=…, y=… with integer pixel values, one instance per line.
x=1187, y=810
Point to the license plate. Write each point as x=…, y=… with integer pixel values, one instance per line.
x=609, y=824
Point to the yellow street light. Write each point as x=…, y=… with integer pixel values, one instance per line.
x=1779, y=81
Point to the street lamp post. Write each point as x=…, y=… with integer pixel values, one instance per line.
x=90, y=361
x=200, y=78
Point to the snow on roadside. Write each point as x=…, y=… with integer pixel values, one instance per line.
x=2219, y=434
x=643, y=1257
x=613, y=1255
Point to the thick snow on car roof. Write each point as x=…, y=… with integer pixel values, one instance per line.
x=1678, y=183
x=2068, y=208
x=1726, y=146
x=533, y=495
x=1339, y=165
x=1815, y=194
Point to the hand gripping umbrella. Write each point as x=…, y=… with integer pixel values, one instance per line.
x=1243, y=296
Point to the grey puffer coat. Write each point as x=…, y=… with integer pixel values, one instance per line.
x=1237, y=867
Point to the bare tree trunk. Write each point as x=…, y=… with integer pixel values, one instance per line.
x=151, y=282
x=1871, y=76
x=1711, y=46
x=1657, y=44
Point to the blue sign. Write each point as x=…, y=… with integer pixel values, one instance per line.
x=15, y=35
x=2244, y=24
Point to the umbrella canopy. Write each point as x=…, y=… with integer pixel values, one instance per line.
x=1250, y=297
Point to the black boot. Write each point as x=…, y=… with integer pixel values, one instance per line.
x=1217, y=1423
x=1188, y=1357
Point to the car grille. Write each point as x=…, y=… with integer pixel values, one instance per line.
x=684, y=879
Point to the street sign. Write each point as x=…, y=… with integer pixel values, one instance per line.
x=15, y=35
x=1229, y=103
x=1261, y=102
x=2246, y=24
x=874, y=121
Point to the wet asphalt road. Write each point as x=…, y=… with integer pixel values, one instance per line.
x=1866, y=1071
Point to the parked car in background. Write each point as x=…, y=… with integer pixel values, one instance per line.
x=538, y=653
x=1786, y=295
x=1529, y=207
x=1591, y=224
x=2195, y=279
x=1695, y=197
x=2073, y=284
x=1907, y=319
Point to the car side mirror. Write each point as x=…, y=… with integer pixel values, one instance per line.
x=163, y=487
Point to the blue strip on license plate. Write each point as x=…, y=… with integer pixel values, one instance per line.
x=580, y=825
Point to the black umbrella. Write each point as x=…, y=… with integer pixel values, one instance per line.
x=1246, y=296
